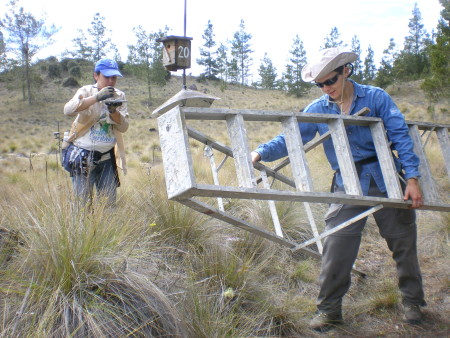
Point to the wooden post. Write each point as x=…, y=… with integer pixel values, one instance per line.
x=384, y=154
x=345, y=159
x=177, y=159
x=208, y=152
x=442, y=134
x=241, y=153
x=426, y=180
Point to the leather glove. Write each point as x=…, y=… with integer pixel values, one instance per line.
x=105, y=93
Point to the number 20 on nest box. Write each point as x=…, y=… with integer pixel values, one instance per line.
x=176, y=52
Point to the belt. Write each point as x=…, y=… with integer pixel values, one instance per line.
x=367, y=160
x=359, y=164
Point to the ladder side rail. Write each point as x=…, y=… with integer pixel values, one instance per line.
x=427, y=125
x=312, y=223
x=239, y=144
x=340, y=226
x=272, y=207
x=300, y=168
x=198, y=113
x=344, y=156
x=297, y=155
x=230, y=219
x=427, y=183
x=204, y=190
x=384, y=154
x=208, y=152
x=175, y=148
x=444, y=141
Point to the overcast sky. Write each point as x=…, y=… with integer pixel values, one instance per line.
x=272, y=24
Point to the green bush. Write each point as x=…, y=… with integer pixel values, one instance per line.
x=54, y=71
x=71, y=64
x=70, y=82
x=64, y=63
x=75, y=71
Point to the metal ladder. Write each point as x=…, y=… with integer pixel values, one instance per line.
x=183, y=186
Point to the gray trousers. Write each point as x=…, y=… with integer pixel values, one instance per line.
x=396, y=226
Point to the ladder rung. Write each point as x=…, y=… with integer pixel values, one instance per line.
x=442, y=134
x=297, y=156
x=384, y=154
x=344, y=157
x=426, y=180
x=239, y=144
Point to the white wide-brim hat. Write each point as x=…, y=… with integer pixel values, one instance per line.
x=331, y=58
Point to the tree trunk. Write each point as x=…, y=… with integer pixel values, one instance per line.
x=149, y=89
x=28, y=78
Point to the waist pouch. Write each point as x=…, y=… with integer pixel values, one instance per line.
x=78, y=161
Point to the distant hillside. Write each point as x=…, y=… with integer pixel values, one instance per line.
x=50, y=97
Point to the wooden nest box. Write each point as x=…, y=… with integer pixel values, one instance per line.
x=176, y=52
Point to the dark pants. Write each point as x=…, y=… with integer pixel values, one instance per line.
x=103, y=176
x=396, y=226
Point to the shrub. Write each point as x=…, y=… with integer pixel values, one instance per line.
x=70, y=82
x=51, y=59
x=64, y=64
x=71, y=64
x=75, y=71
x=54, y=71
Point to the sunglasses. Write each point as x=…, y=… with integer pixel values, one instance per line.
x=328, y=82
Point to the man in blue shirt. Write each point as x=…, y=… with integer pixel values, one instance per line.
x=344, y=96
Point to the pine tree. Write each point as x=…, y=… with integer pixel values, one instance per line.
x=369, y=66
x=222, y=63
x=97, y=44
x=438, y=85
x=233, y=71
x=385, y=76
x=115, y=52
x=357, y=64
x=145, y=58
x=267, y=73
x=100, y=37
x=413, y=61
x=241, y=54
x=334, y=39
x=292, y=79
x=3, y=57
x=26, y=35
x=83, y=49
x=207, y=54
x=287, y=78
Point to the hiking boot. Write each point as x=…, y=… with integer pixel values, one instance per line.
x=325, y=321
x=413, y=314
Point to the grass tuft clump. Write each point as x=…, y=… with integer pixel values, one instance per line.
x=69, y=276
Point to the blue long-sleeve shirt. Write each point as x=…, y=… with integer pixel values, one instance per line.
x=360, y=138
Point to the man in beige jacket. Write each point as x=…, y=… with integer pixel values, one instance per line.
x=95, y=140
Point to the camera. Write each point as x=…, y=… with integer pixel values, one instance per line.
x=114, y=102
